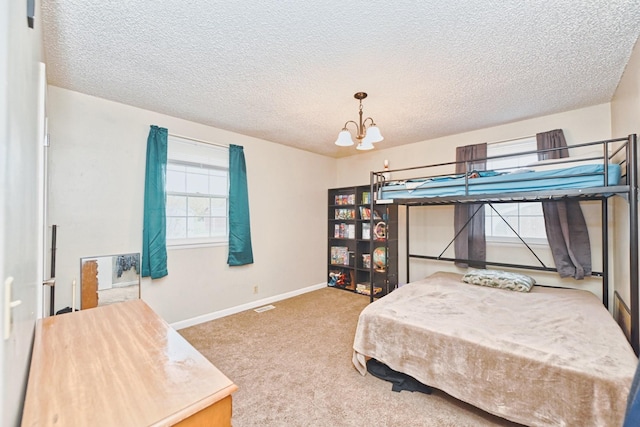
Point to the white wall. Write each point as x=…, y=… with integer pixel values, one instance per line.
x=625, y=120
x=579, y=126
x=20, y=204
x=96, y=184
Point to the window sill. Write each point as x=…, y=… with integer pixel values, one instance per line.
x=516, y=242
x=180, y=246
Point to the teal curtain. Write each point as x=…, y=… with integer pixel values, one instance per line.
x=240, y=252
x=154, y=231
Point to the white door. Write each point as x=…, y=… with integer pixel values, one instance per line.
x=21, y=203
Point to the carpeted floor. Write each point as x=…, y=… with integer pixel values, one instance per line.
x=293, y=367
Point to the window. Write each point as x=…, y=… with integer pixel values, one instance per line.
x=525, y=218
x=197, y=193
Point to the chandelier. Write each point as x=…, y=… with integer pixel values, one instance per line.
x=366, y=135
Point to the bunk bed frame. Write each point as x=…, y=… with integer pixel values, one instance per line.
x=623, y=150
x=546, y=357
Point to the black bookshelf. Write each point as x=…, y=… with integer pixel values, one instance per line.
x=362, y=244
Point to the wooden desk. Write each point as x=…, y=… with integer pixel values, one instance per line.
x=121, y=365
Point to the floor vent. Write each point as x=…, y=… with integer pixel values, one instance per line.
x=265, y=308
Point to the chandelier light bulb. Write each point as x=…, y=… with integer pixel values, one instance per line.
x=344, y=138
x=373, y=134
x=365, y=145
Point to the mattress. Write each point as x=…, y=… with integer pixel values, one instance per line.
x=549, y=357
x=487, y=182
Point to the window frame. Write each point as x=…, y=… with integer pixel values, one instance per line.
x=191, y=154
x=526, y=144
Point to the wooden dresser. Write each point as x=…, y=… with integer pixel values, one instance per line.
x=121, y=365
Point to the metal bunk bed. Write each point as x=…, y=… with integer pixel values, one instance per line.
x=546, y=357
x=622, y=150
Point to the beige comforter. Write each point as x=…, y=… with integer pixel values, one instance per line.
x=547, y=357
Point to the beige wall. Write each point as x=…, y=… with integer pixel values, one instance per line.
x=579, y=126
x=96, y=178
x=625, y=120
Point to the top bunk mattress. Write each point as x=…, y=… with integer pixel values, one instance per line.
x=487, y=182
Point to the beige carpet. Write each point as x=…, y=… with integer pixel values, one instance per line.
x=293, y=367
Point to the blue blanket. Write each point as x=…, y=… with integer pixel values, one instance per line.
x=486, y=183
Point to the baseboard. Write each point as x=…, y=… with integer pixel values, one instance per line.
x=248, y=306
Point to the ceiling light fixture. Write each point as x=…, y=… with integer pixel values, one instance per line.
x=366, y=136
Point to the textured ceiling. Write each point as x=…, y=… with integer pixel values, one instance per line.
x=286, y=71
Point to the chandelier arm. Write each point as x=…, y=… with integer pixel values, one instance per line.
x=351, y=121
x=365, y=121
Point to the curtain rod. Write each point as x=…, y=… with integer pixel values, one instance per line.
x=511, y=139
x=199, y=140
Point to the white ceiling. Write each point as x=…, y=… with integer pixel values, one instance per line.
x=286, y=71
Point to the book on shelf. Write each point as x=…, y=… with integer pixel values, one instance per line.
x=366, y=260
x=365, y=289
x=344, y=231
x=365, y=212
x=345, y=199
x=366, y=231
x=365, y=197
x=363, y=285
x=340, y=255
x=351, y=231
x=344, y=214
